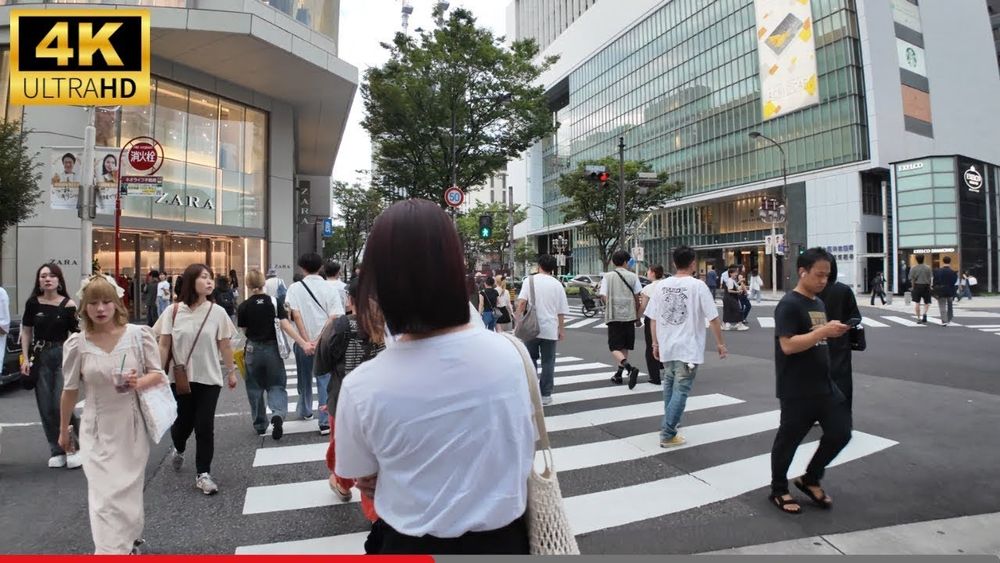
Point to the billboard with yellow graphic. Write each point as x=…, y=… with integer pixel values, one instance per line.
x=787, y=56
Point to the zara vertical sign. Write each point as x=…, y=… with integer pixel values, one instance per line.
x=79, y=57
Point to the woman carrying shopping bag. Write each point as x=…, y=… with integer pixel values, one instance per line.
x=114, y=361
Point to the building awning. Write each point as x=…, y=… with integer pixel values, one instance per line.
x=556, y=228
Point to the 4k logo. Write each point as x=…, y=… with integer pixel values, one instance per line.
x=84, y=57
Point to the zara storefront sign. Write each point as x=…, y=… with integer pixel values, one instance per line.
x=185, y=201
x=973, y=179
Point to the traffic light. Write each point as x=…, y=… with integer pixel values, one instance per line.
x=485, y=226
x=598, y=174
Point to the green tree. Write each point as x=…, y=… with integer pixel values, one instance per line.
x=495, y=246
x=357, y=209
x=456, y=84
x=19, y=177
x=598, y=205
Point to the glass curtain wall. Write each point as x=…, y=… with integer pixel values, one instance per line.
x=215, y=166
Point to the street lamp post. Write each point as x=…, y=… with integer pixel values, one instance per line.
x=776, y=209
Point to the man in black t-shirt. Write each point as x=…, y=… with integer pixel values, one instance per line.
x=804, y=386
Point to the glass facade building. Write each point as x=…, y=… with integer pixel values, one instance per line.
x=682, y=88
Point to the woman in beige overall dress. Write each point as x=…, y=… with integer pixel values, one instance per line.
x=112, y=434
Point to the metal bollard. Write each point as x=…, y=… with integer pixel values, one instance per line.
x=888, y=298
x=907, y=298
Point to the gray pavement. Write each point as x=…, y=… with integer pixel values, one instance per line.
x=927, y=404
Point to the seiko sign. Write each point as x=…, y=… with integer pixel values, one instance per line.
x=909, y=166
x=973, y=179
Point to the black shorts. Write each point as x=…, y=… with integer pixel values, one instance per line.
x=621, y=335
x=921, y=291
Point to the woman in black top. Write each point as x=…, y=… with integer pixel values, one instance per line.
x=49, y=317
x=488, y=298
x=264, y=364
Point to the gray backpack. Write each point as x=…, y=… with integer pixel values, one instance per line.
x=527, y=329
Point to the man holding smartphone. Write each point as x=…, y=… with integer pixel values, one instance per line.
x=805, y=390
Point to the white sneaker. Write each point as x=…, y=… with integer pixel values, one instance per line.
x=742, y=326
x=206, y=484
x=74, y=460
x=547, y=400
x=176, y=459
x=57, y=461
x=727, y=326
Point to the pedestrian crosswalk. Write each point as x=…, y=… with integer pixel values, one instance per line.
x=595, y=427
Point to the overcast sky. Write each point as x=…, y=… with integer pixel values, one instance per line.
x=366, y=23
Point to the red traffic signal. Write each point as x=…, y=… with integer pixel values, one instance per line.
x=603, y=177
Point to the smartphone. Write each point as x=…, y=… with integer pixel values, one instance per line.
x=853, y=323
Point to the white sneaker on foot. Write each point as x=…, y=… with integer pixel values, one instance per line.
x=74, y=460
x=547, y=400
x=57, y=461
x=176, y=459
x=206, y=484
x=743, y=326
x=677, y=440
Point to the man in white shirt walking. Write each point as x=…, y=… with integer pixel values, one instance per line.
x=331, y=271
x=275, y=286
x=679, y=307
x=312, y=303
x=551, y=305
x=163, y=294
x=620, y=291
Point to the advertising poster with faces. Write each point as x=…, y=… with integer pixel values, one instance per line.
x=66, y=174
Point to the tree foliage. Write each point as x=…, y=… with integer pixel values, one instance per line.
x=358, y=207
x=457, y=78
x=598, y=206
x=497, y=245
x=19, y=177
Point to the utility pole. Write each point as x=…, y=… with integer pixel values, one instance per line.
x=621, y=193
x=86, y=197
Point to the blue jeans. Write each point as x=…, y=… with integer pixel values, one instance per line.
x=322, y=383
x=677, y=382
x=304, y=366
x=265, y=374
x=489, y=320
x=161, y=305
x=546, y=349
x=745, y=307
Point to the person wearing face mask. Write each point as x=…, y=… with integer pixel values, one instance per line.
x=112, y=360
x=195, y=333
x=48, y=320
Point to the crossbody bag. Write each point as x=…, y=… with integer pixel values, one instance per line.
x=181, y=380
x=621, y=309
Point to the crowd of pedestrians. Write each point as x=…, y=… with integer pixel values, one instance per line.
x=405, y=418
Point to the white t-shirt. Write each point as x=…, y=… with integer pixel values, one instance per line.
x=452, y=452
x=756, y=282
x=552, y=302
x=648, y=292
x=341, y=288
x=681, y=305
x=163, y=290
x=475, y=320
x=271, y=286
x=205, y=366
x=314, y=315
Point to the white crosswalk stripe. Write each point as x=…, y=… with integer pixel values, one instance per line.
x=872, y=323
x=718, y=427
x=584, y=323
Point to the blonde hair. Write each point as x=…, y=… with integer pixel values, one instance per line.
x=255, y=279
x=501, y=281
x=99, y=289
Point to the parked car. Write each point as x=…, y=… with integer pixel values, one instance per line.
x=590, y=281
x=11, y=372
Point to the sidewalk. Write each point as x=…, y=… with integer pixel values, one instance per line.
x=968, y=535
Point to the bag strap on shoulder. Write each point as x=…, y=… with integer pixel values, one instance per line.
x=542, y=444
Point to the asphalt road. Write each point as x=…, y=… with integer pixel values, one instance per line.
x=927, y=400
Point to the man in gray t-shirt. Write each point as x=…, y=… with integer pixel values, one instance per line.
x=921, y=276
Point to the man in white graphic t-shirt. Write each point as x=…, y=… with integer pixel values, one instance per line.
x=680, y=307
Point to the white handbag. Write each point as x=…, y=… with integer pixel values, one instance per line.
x=284, y=347
x=156, y=404
x=549, y=532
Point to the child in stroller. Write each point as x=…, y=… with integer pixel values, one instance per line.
x=590, y=306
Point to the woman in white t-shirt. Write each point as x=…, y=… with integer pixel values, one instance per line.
x=196, y=333
x=655, y=274
x=503, y=305
x=437, y=428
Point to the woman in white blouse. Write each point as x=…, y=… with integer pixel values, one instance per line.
x=196, y=333
x=438, y=428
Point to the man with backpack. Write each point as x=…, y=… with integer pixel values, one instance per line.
x=620, y=290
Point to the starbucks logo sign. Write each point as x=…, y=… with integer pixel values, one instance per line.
x=973, y=179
